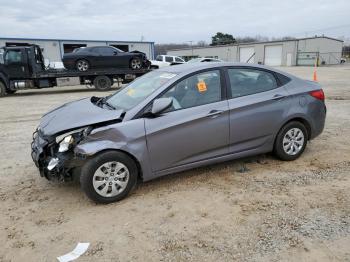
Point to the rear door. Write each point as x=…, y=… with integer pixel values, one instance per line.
x=196, y=127
x=258, y=106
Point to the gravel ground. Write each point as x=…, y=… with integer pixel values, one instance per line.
x=273, y=211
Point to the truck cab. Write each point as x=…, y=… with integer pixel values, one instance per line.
x=19, y=67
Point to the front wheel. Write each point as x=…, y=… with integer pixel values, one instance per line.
x=136, y=63
x=291, y=141
x=108, y=177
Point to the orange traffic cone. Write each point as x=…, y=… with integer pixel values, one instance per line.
x=315, y=75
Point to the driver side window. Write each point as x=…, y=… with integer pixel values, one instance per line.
x=13, y=56
x=196, y=90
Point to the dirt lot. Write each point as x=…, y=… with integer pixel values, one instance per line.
x=289, y=211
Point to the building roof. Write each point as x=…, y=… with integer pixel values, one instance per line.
x=253, y=43
x=69, y=40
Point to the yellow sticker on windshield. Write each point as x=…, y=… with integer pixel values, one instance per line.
x=201, y=86
x=131, y=92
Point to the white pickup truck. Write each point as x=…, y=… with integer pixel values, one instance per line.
x=166, y=60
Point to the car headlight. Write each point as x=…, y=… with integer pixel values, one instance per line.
x=66, y=142
x=70, y=138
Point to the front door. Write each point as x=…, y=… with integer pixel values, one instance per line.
x=257, y=108
x=16, y=63
x=195, y=128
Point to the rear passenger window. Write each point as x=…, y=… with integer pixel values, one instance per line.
x=283, y=79
x=105, y=50
x=250, y=81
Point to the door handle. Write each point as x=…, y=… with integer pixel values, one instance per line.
x=214, y=113
x=278, y=97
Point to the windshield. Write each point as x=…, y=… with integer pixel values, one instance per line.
x=2, y=55
x=138, y=90
x=195, y=60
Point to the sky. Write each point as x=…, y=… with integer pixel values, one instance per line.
x=176, y=21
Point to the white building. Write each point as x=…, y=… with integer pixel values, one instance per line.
x=303, y=51
x=53, y=49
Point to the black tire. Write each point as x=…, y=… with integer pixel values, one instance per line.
x=102, y=83
x=93, y=164
x=279, y=150
x=135, y=63
x=82, y=65
x=2, y=89
x=11, y=91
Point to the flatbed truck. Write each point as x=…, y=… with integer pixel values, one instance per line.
x=23, y=67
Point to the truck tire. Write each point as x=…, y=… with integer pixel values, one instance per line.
x=102, y=83
x=11, y=91
x=2, y=89
x=108, y=177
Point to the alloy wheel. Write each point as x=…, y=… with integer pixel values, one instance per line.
x=136, y=64
x=82, y=65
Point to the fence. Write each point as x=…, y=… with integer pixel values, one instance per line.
x=310, y=58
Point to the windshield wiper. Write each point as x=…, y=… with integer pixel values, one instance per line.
x=109, y=105
x=103, y=101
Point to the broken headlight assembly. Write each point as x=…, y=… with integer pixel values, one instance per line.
x=67, y=140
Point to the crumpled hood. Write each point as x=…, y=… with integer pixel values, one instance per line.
x=75, y=115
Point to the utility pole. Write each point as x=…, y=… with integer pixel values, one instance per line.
x=191, y=41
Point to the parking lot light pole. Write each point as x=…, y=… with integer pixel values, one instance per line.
x=191, y=42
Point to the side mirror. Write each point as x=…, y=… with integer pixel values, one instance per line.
x=160, y=105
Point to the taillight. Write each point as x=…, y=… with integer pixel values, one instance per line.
x=318, y=94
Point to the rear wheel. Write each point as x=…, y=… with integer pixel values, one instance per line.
x=291, y=141
x=108, y=177
x=136, y=63
x=82, y=65
x=2, y=89
x=102, y=83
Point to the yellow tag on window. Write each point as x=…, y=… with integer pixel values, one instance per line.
x=201, y=86
x=131, y=91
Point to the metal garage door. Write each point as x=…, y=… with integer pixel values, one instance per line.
x=273, y=55
x=245, y=53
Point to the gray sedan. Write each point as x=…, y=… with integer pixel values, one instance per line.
x=174, y=119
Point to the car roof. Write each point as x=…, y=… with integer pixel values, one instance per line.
x=193, y=67
x=99, y=46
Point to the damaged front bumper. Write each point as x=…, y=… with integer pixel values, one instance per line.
x=53, y=165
